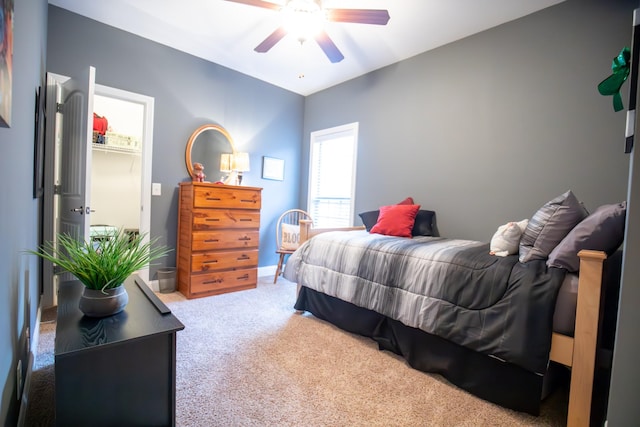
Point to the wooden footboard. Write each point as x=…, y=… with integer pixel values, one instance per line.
x=307, y=231
x=577, y=352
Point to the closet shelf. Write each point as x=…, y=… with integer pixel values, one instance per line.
x=115, y=149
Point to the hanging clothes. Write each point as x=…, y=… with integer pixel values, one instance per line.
x=100, y=124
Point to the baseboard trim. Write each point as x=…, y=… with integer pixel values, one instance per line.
x=267, y=270
x=24, y=400
x=26, y=387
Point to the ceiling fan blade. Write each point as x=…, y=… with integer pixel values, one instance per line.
x=329, y=47
x=259, y=3
x=359, y=16
x=270, y=41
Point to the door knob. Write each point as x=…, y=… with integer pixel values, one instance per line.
x=80, y=210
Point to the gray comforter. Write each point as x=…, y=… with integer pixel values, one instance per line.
x=447, y=287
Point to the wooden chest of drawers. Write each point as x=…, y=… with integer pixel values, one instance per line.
x=218, y=235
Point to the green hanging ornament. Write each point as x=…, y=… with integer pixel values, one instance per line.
x=611, y=85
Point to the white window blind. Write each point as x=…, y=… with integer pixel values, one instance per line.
x=332, y=171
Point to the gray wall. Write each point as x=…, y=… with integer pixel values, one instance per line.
x=19, y=273
x=261, y=118
x=487, y=129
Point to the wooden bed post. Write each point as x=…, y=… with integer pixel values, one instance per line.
x=305, y=226
x=585, y=337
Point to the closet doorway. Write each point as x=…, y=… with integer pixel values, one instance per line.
x=116, y=164
x=118, y=175
x=121, y=166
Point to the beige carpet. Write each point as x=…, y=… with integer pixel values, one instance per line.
x=248, y=359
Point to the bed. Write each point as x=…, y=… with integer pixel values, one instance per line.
x=488, y=324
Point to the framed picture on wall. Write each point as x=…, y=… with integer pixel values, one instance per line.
x=272, y=168
x=6, y=61
x=38, y=145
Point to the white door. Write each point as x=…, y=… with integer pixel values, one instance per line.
x=68, y=155
x=75, y=157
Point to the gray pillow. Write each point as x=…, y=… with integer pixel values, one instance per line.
x=549, y=225
x=603, y=230
x=369, y=218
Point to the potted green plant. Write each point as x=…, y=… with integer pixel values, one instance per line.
x=102, y=266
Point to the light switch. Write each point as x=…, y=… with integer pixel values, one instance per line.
x=156, y=189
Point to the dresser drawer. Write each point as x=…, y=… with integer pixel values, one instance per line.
x=232, y=239
x=206, y=219
x=232, y=197
x=223, y=280
x=211, y=261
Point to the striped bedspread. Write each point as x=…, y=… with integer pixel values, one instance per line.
x=447, y=287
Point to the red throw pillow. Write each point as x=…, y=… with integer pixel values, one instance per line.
x=407, y=201
x=396, y=220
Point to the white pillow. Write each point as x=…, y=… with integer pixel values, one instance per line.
x=290, y=236
x=506, y=239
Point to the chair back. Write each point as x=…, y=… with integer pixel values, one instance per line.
x=288, y=229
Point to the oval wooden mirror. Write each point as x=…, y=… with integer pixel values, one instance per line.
x=205, y=146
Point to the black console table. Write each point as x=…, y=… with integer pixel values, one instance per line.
x=118, y=370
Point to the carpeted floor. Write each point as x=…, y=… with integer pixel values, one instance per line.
x=249, y=359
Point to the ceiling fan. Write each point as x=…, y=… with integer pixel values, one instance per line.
x=305, y=18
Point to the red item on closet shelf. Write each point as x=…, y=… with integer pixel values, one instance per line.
x=100, y=124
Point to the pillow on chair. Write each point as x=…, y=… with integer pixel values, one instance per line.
x=290, y=237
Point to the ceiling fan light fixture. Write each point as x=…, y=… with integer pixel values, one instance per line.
x=303, y=19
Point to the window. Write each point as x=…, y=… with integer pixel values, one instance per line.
x=332, y=175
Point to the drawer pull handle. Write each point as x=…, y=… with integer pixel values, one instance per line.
x=247, y=201
x=245, y=238
x=212, y=219
x=208, y=282
x=243, y=277
x=245, y=219
x=243, y=257
x=213, y=261
x=215, y=199
x=211, y=240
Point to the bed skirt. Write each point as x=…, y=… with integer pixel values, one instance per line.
x=486, y=377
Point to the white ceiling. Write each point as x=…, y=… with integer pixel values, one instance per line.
x=226, y=33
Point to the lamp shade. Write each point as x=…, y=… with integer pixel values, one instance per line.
x=226, y=162
x=241, y=162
